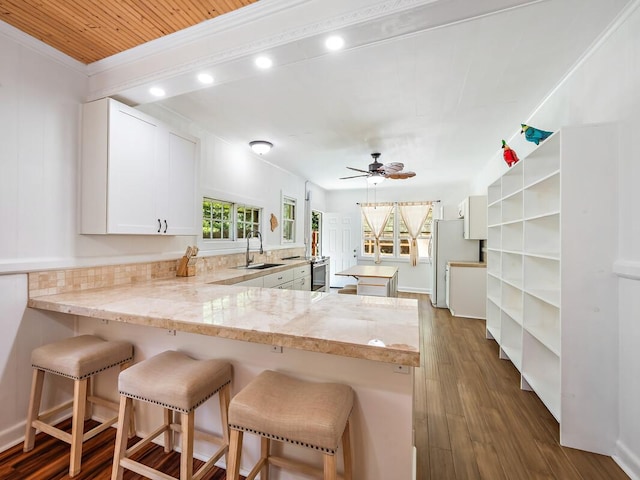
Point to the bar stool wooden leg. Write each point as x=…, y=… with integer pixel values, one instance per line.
x=330, y=467
x=126, y=405
x=265, y=448
x=235, y=447
x=77, y=428
x=132, y=417
x=168, y=433
x=224, y=397
x=34, y=408
x=186, y=457
x=346, y=452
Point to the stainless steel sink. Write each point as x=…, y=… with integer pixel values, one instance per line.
x=261, y=266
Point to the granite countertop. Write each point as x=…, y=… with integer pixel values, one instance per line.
x=209, y=304
x=456, y=263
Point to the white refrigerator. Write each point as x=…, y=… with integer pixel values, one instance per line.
x=448, y=244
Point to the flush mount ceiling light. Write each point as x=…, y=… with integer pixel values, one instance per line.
x=157, y=91
x=264, y=62
x=260, y=146
x=205, y=78
x=334, y=42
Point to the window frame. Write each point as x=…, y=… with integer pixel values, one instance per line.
x=292, y=201
x=397, y=236
x=234, y=209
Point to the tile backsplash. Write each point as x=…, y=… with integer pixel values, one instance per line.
x=50, y=282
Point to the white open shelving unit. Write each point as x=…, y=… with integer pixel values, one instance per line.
x=551, y=294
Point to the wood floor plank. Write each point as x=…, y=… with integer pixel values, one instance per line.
x=441, y=464
x=436, y=417
x=464, y=459
x=488, y=462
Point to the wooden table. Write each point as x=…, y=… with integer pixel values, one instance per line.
x=374, y=280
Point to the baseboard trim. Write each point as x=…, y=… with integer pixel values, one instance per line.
x=627, y=460
x=14, y=435
x=414, y=290
x=627, y=269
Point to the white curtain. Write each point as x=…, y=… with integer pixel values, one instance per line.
x=376, y=216
x=414, y=216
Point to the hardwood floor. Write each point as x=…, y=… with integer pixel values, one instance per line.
x=471, y=420
x=49, y=460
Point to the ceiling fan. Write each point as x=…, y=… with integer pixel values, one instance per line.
x=378, y=172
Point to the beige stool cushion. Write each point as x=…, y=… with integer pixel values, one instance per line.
x=286, y=409
x=174, y=380
x=81, y=357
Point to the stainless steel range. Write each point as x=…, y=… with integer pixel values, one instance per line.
x=320, y=274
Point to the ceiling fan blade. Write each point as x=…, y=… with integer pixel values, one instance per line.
x=392, y=167
x=358, y=170
x=355, y=176
x=400, y=175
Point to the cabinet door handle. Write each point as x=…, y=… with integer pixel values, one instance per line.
x=159, y=225
x=165, y=226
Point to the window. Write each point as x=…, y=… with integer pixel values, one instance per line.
x=223, y=220
x=395, y=239
x=288, y=219
x=248, y=220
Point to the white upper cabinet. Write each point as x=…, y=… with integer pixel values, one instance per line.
x=474, y=212
x=137, y=175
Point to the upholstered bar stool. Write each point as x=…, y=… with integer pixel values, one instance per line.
x=278, y=407
x=179, y=384
x=78, y=358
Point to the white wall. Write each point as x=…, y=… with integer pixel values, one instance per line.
x=410, y=279
x=605, y=88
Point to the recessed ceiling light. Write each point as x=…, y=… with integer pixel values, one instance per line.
x=334, y=42
x=264, y=62
x=205, y=78
x=157, y=92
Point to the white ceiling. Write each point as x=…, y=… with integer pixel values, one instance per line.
x=436, y=93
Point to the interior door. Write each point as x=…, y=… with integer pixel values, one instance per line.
x=340, y=242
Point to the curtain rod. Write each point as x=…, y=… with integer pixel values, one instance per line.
x=401, y=203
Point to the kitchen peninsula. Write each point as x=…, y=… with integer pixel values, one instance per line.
x=319, y=336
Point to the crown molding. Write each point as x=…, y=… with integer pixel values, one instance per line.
x=41, y=48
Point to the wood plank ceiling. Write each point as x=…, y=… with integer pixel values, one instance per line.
x=90, y=30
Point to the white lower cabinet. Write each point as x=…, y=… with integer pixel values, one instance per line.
x=466, y=289
x=295, y=278
x=137, y=175
x=302, y=278
x=278, y=279
x=551, y=294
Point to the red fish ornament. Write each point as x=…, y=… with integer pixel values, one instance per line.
x=509, y=155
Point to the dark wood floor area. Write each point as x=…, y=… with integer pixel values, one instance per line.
x=473, y=421
x=49, y=460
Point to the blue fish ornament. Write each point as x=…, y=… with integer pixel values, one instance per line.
x=533, y=134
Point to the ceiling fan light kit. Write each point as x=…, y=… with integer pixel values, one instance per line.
x=261, y=146
x=377, y=171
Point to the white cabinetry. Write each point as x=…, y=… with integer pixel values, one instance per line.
x=302, y=278
x=474, y=212
x=551, y=294
x=466, y=289
x=137, y=175
x=295, y=278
